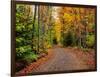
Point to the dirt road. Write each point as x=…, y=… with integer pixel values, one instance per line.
x=61, y=60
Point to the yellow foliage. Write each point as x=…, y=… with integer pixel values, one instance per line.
x=57, y=29
x=68, y=17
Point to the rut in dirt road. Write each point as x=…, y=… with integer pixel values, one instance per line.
x=62, y=60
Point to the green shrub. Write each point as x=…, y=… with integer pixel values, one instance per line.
x=68, y=39
x=20, y=27
x=21, y=50
x=90, y=41
x=54, y=41
x=30, y=57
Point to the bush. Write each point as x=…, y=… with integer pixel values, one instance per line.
x=54, y=41
x=21, y=50
x=68, y=39
x=90, y=41
x=26, y=59
x=30, y=57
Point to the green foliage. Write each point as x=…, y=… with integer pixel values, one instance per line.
x=18, y=40
x=68, y=39
x=30, y=57
x=24, y=27
x=32, y=39
x=55, y=41
x=90, y=41
x=22, y=49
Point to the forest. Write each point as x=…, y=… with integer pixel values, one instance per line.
x=40, y=28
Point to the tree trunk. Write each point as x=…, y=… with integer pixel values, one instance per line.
x=35, y=8
x=38, y=26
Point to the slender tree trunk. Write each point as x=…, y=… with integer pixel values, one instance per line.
x=63, y=29
x=38, y=26
x=35, y=8
x=78, y=29
x=50, y=22
x=42, y=24
x=85, y=31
